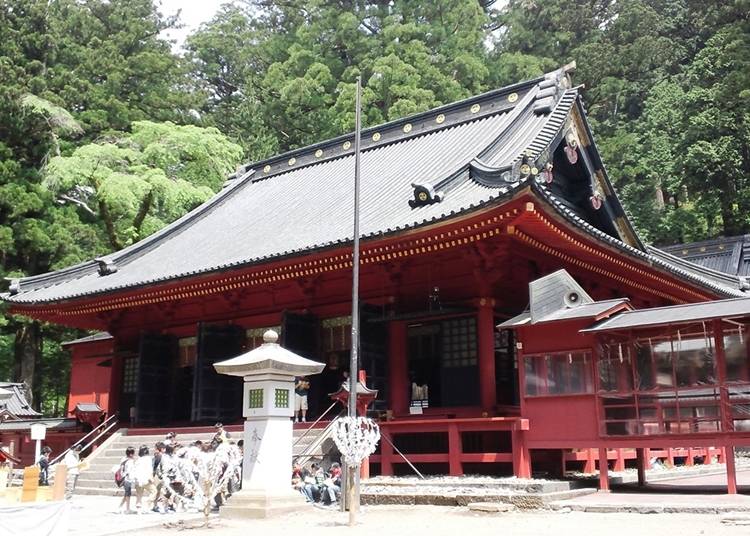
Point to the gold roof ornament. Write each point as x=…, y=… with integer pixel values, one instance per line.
x=513, y=97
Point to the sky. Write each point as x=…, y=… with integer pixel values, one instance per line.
x=192, y=14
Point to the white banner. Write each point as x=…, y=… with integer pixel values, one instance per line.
x=37, y=519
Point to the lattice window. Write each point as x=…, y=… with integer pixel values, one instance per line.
x=281, y=398
x=130, y=375
x=255, y=398
x=459, y=340
x=337, y=334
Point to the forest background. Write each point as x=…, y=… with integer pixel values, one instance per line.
x=109, y=132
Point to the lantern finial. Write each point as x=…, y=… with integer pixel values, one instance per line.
x=271, y=337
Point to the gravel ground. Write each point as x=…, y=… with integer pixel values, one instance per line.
x=439, y=521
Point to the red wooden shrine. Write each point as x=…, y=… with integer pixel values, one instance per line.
x=462, y=207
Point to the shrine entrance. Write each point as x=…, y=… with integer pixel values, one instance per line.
x=442, y=363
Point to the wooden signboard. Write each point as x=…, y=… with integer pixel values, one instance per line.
x=61, y=477
x=30, y=483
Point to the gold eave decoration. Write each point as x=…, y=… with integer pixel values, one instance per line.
x=513, y=97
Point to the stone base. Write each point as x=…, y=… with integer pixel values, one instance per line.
x=260, y=504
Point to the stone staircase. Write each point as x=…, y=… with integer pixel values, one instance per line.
x=98, y=478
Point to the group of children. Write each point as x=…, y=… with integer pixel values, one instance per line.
x=72, y=461
x=176, y=477
x=316, y=485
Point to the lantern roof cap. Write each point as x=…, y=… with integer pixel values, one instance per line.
x=269, y=358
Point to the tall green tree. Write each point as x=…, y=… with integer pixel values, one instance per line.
x=136, y=183
x=70, y=72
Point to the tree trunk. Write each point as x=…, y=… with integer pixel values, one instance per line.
x=28, y=355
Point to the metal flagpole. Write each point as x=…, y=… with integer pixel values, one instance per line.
x=353, y=472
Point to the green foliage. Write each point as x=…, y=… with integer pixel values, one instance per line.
x=106, y=134
x=136, y=183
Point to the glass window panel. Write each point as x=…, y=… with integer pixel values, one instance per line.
x=558, y=374
x=695, y=362
x=644, y=366
x=535, y=383
x=736, y=353
x=662, y=354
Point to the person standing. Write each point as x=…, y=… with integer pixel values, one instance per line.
x=127, y=468
x=144, y=477
x=158, y=474
x=301, y=389
x=43, y=464
x=72, y=461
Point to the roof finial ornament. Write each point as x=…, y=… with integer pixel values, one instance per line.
x=424, y=194
x=15, y=286
x=106, y=265
x=270, y=337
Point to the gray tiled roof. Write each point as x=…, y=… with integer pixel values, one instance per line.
x=730, y=255
x=468, y=152
x=17, y=404
x=721, y=283
x=308, y=206
x=99, y=336
x=24, y=425
x=588, y=310
x=676, y=314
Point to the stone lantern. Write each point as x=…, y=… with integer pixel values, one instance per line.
x=268, y=407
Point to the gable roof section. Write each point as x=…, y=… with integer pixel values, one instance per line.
x=730, y=255
x=448, y=161
x=300, y=203
x=675, y=314
x=16, y=404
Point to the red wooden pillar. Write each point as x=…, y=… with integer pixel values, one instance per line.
x=590, y=466
x=731, y=470
x=115, y=387
x=398, y=369
x=603, y=470
x=725, y=407
x=521, y=457
x=689, y=458
x=486, y=361
x=619, y=460
x=364, y=469
x=455, y=468
x=386, y=454
x=670, y=456
x=641, y=461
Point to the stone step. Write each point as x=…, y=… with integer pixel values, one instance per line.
x=113, y=492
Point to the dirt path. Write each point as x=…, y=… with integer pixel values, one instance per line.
x=438, y=521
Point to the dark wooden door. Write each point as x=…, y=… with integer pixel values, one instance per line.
x=374, y=353
x=299, y=334
x=156, y=357
x=506, y=373
x=458, y=362
x=217, y=397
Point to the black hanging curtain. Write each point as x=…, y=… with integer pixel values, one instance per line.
x=156, y=358
x=217, y=397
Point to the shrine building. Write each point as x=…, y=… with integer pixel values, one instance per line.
x=464, y=208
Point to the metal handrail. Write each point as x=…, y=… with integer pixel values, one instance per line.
x=306, y=454
x=100, y=434
x=313, y=424
x=383, y=436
